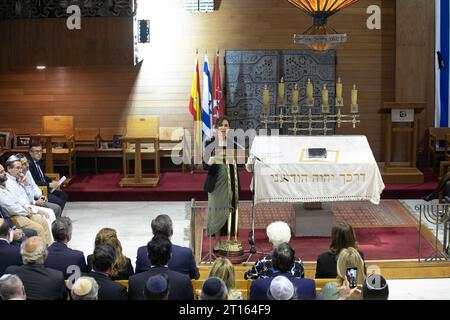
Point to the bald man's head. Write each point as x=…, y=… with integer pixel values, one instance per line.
x=34, y=251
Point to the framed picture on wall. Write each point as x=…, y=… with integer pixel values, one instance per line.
x=5, y=140
x=22, y=141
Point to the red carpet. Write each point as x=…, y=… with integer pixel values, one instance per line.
x=380, y=243
x=178, y=186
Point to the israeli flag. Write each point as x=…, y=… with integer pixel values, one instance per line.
x=206, y=102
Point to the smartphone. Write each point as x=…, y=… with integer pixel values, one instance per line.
x=352, y=276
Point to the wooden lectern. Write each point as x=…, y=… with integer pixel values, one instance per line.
x=401, y=172
x=141, y=130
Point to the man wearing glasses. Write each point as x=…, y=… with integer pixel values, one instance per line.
x=37, y=171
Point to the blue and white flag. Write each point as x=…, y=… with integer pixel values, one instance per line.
x=442, y=114
x=206, y=102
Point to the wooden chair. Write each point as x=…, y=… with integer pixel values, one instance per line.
x=86, y=143
x=436, y=142
x=171, y=139
x=59, y=130
x=141, y=141
x=53, y=176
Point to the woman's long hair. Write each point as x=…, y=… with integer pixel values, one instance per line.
x=342, y=236
x=223, y=269
x=109, y=236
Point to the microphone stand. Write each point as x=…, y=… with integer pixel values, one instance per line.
x=251, y=236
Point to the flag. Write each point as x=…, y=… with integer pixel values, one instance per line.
x=217, y=109
x=207, y=102
x=195, y=110
x=194, y=100
x=442, y=112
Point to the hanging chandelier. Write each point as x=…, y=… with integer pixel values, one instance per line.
x=320, y=36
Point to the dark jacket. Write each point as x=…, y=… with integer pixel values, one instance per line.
x=35, y=173
x=9, y=256
x=60, y=257
x=326, y=265
x=40, y=283
x=305, y=288
x=122, y=275
x=180, y=284
x=109, y=290
x=211, y=178
x=182, y=261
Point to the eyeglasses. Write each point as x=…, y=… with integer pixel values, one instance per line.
x=36, y=151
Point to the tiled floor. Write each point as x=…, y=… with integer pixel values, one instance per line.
x=132, y=222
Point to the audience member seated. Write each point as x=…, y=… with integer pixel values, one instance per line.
x=283, y=259
x=33, y=191
x=159, y=251
x=281, y=289
x=21, y=214
x=214, y=288
x=122, y=268
x=11, y=288
x=14, y=185
x=157, y=287
x=103, y=262
x=182, y=259
x=348, y=258
x=342, y=236
x=19, y=235
x=37, y=171
x=85, y=288
x=60, y=256
x=278, y=233
x=375, y=288
x=10, y=254
x=40, y=283
x=440, y=187
x=223, y=268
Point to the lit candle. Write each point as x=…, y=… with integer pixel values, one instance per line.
x=309, y=89
x=281, y=90
x=339, y=89
x=354, y=95
x=325, y=95
x=295, y=94
x=266, y=100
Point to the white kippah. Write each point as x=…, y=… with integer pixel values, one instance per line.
x=281, y=288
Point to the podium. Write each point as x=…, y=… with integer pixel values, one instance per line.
x=401, y=172
x=139, y=179
x=141, y=130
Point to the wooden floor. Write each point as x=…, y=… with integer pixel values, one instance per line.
x=393, y=269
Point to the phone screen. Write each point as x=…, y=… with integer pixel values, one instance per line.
x=351, y=277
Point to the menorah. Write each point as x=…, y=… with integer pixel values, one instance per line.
x=298, y=121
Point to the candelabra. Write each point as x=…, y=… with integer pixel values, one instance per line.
x=309, y=123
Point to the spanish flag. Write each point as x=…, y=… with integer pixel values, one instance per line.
x=196, y=111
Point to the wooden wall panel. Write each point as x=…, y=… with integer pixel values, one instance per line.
x=415, y=66
x=104, y=95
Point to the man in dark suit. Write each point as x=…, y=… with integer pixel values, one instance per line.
x=9, y=254
x=283, y=259
x=40, y=283
x=182, y=259
x=159, y=252
x=37, y=171
x=104, y=257
x=60, y=256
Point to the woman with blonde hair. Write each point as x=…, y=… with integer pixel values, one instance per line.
x=349, y=258
x=223, y=268
x=122, y=268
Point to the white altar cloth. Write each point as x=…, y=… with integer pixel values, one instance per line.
x=285, y=173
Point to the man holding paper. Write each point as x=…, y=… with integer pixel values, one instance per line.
x=37, y=171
